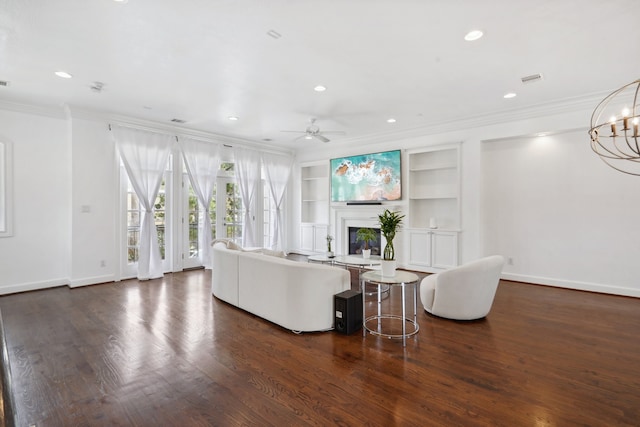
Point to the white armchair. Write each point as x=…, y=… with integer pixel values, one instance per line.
x=465, y=292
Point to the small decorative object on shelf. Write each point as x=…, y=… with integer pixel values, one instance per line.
x=329, y=251
x=389, y=224
x=366, y=235
x=433, y=223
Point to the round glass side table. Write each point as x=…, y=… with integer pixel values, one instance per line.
x=377, y=324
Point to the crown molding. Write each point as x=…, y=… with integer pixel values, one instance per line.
x=567, y=105
x=65, y=111
x=113, y=118
x=581, y=103
x=47, y=110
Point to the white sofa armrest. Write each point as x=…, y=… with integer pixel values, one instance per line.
x=224, y=281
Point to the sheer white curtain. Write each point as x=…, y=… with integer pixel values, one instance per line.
x=203, y=161
x=277, y=169
x=247, y=165
x=145, y=156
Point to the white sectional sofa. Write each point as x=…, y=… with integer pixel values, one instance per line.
x=295, y=295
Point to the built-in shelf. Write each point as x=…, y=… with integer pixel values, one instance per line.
x=314, y=213
x=434, y=196
x=433, y=207
x=433, y=167
x=434, y=186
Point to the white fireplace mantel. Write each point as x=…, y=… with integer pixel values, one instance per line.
x=345, y=216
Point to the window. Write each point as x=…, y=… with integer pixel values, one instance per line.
x=233, y=212
x=132, y=217
x=178, y=223
x=193, y=220
x=133, y=222
x=193, y=216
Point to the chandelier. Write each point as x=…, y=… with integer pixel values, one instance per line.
x=616, y=139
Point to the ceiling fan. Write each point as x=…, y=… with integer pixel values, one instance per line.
x=314, y=132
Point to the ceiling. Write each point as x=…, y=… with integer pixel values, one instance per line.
x=204, y=61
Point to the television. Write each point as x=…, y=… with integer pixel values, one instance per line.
x=366, y=178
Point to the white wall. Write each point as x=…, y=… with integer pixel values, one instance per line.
x=95, y=189
x=36, y=255
x=561, y=214
x=66, y=198
x=564, y=217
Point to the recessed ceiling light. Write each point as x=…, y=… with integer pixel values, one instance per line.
x=121, y=1
x=63, y=74
x=308, y=137
x=320, y=88
x=473, y=35
x=232, y=118
x=391, y=120
x=509, y=95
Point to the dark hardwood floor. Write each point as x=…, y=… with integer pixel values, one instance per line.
x=166, y=353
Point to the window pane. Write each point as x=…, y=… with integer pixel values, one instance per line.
x=160, y=216
x=133, y=225
x=132, y=199
x=212, y=214
x=133, y=219
x=233, y=212
x=193, y=218
x=132, y=255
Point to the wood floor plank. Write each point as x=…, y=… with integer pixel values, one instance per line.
x=165, y=352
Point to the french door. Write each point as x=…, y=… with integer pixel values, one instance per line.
x=225, y=211
x=178, y=216
x=229, y=210
x=193, y=215
x=132, y=220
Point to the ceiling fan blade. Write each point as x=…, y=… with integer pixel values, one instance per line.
x=334, y=132
x=321, y=138
x=294, y=131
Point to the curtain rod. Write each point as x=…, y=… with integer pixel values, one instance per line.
x=197, y=138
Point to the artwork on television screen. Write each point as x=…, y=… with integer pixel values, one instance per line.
x=367, y=177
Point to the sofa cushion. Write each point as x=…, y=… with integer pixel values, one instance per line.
x=279, y=254
x=230, y=244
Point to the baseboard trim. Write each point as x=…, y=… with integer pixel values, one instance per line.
x=92, y=280
x=546, y=281
x=571, y=284
x=33, y=286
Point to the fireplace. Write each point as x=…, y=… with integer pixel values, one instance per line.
x=355, y=247
x=345, y=217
